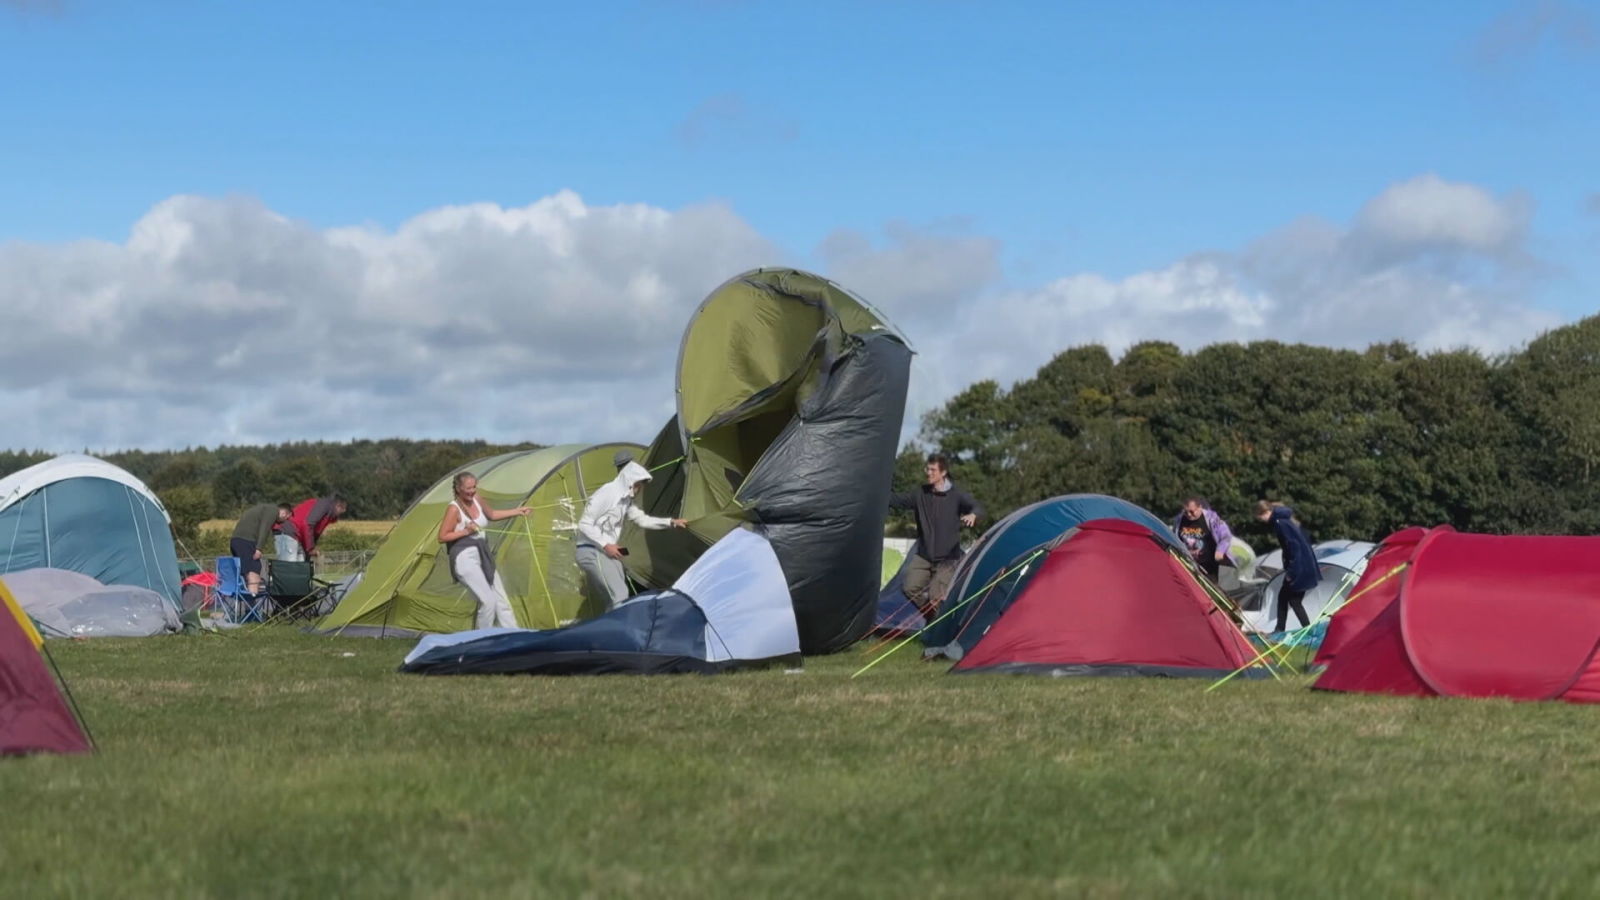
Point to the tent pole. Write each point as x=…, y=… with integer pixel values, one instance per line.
x=1357, y=595
x=996, y=580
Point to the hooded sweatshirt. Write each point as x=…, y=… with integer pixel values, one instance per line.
x=611, y=505
x=1300, y=570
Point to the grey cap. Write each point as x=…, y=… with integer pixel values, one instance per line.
x=622, y=458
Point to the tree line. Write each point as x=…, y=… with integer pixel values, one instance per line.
x=379, y=479
x=1361, y=443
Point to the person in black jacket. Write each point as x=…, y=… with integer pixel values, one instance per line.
x=1300, y=570
x=942, y=510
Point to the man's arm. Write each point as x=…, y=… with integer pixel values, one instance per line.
x=903, y=500
x=264, y=532
x=653, y=523
x=1222, y=534
x=969, y=506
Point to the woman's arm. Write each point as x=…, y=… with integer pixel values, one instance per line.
x=495, y=515
x=447, y=528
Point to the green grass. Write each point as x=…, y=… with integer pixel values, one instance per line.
x=279, y=764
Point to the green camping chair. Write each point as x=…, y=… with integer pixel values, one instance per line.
x=295, y=590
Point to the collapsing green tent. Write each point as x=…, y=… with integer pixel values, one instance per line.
x=790, y=396
x=407, y=589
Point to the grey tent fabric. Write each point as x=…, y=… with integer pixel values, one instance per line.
x=71, y=604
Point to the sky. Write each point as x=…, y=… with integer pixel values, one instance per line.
x=238, y=223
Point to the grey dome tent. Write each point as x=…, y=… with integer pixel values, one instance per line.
x=70, y=604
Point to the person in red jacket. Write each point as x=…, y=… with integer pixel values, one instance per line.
x=309, y=520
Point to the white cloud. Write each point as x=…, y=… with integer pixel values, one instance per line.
x=1428, y=211
x=219, y=320
x=1438, y=263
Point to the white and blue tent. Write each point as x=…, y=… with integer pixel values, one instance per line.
x=730, y=610
x=85, y=515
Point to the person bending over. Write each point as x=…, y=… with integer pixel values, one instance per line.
x=251, y=534
x=1300, y=570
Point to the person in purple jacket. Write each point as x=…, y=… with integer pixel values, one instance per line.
x=1204, y=534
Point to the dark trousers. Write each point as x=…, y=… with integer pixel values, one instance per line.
x=1288, y=598
x=927, y=582
x=246, y=552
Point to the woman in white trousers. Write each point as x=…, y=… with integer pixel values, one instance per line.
x=471, y=563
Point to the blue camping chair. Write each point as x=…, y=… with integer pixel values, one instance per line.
x=236, y=605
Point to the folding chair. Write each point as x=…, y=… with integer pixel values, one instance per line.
x=228, y=595
x=296, y=591
x=236, y=605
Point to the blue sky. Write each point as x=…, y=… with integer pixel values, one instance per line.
x=1112, y=139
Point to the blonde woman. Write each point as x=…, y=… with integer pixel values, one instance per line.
x=471, y=563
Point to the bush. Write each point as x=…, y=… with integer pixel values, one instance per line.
x=336, y=538
x=188, y=505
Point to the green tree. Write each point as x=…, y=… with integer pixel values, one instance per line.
x=188, y=505
x=239, y=486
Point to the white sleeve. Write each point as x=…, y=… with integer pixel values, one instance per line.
x=589, y=522
x=652, y=523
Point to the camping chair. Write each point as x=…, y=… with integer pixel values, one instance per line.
x=236, y=605
x=297, y=593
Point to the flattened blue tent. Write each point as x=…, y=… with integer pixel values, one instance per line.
x=85, y=515
x=729, y=610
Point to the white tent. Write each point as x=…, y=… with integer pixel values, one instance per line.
x=1341, y=563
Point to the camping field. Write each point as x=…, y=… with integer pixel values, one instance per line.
x=275, y=763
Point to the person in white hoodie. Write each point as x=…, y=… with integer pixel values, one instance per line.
x=601, y=527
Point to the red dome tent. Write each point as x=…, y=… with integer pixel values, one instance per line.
x=34, y=717
x=1110, y=599
x=1463, y=620
x=1378, y=587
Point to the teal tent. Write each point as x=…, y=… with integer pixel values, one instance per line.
x=85, y=515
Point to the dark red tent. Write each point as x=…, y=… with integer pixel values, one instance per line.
x=1480, y=615
x=33, y=716
x=1378, y=587
x=1111, y=599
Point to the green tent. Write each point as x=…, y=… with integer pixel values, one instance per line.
x=790, y=395
x=407, y=587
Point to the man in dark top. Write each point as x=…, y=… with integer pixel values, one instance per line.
x=251, y=534
x=942, y=510
x=1204, y=534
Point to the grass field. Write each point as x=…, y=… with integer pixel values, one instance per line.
x=280, y=764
